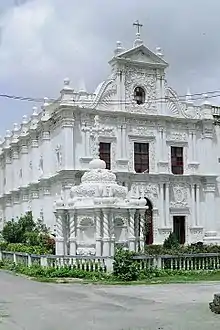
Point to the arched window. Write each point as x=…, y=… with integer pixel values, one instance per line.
x=139, y=95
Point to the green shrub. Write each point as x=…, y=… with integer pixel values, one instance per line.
x=125, y=268
x=171, y=242
x=28, y=233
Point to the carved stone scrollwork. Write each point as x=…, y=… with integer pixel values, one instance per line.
x=84, y=251
x=177, y=136
x=58, y=152
x=179, y=196
x=135, y=77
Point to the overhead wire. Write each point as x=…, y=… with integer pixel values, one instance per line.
x=193, y=97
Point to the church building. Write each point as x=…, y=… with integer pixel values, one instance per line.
x=161, y=147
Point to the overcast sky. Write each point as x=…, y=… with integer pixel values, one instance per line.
x=44, y=41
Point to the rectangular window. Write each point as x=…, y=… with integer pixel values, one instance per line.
x=179, y=228
x=177, y=160
x=105, y=153
x=141, y=157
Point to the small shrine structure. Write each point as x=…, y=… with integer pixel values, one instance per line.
x=98, y=214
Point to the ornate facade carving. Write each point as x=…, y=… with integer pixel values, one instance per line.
x=176, y=136
x=59, y=158
x=135, y=77
x=179, y=196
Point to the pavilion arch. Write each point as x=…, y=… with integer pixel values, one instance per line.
x=148, y=226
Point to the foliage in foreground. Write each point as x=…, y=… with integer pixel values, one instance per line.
x=26, y=235
x=199, y=247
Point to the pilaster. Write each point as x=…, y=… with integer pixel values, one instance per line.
x=69, y=142
x=163, y=166
x=47, y=156
x=210, y=223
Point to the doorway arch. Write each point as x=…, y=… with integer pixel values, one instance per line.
x=148, y=225
x=148, y=234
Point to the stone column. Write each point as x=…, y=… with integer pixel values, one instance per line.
x=161, y=144
x=98, y=235
x=210, y=223
x=69, y=142
x=123, y=142
x=24, y=165
x=160, y=91
x=59, y=232
x=106, y=238
x=8, y=172
x=193, y=203
x=15, y=167
x=112, y=233
x=197, y=205
x=142, y=229
x=131, y=229
x=85, y=139
x=162, y=213
x=72, y=239
x=34, y=159
x=190, y=146
x=48, y=165
x=167, y=201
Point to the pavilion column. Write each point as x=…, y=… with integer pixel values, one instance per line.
x=98, y=233
x=142, y=229
x=59, y=232
x=132, y=229
x=106, y=238
x=112, y=234
x=72, y=232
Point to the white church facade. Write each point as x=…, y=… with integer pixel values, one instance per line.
x=160, y=148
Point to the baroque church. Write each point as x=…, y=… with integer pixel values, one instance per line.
x=156, y=145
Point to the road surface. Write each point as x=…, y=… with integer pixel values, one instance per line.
x=29, y=305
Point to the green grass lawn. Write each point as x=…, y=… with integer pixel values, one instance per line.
x=188, y=278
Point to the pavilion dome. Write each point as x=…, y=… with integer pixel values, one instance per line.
x=99, y=185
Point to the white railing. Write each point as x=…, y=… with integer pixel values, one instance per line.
x=89, y=263
x=200, y=261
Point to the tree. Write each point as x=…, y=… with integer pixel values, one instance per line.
x=25, y=230
x=11, y=232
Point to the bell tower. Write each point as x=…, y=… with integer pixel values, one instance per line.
x=140, y=77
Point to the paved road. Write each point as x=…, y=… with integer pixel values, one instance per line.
x=28, y=305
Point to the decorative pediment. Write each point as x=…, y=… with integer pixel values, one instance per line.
x=142, y=55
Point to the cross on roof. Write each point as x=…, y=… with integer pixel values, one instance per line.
x=138, y=25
